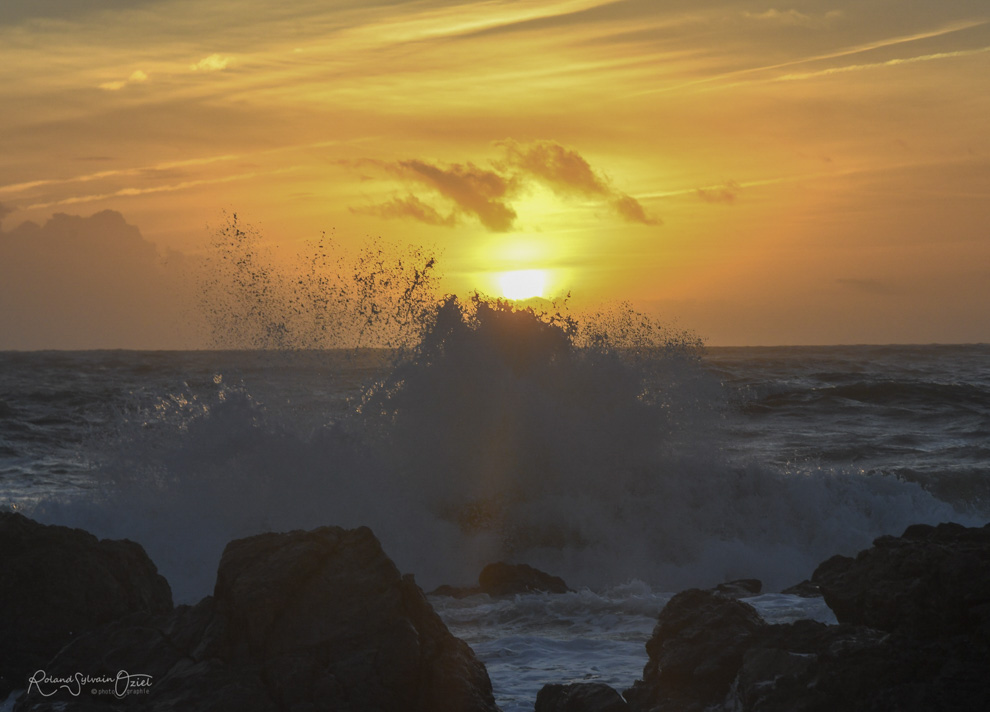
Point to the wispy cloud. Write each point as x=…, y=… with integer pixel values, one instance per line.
x=100, y=175
x=408, y=207
x=794, y=17
x=725, y=193
x=137, y=77
x=212, y=63
x=170, y=188
x=875, y=65
x=739, y=77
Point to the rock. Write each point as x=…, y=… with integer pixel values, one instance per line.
x=912, y=637
x=580, y=697
x=298, y=621
x=805, y=589
x=695, y=651
x=743, y=588
x=456, y=591
x=501, y=579
x=58, y=583
x=929, y=583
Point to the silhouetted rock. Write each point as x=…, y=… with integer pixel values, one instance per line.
x=57, y=583
x=298, y=621
x=580, y=697
x=501, y=579
x=743, y=588
x=456, y=591
x=805, y=589
x=930, y=582
x=695, y=651
x=913, y=637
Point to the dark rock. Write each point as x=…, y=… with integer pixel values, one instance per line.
x=805, y=589
x=912, y=637
x=58, y=583
x=501, y=579
x=743, y=588
x=580, y=697
x=298, y=621
x=456, y=591
x=695, y=651
x=929, y=583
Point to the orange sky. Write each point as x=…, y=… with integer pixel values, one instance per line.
x=760, y=173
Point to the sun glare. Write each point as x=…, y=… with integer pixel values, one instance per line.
x=523, y=284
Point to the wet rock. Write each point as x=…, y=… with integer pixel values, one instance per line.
x=912, y=637
x=580, y=697
x=456, y=591
x=695, y=651
x=502, y=579
x=58, y=583
x=743, y=588
x=929, y=583
x=298, y=621
x=805, y=589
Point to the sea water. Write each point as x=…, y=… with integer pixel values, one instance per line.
x=630, y=477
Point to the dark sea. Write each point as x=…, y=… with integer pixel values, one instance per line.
x=632, y=476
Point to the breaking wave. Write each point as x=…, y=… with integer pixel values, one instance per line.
x=591, y=447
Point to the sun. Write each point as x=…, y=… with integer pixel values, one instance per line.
x=523, y=284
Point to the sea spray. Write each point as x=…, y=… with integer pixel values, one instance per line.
x=592, y=448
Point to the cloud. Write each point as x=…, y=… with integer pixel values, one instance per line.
x=795, y=18
x=213, y=63
x=567, y=173
x=562, y=169
x=889, y=63
x=474, y=190
x=89, y=282
x=630, y=209
x=408, y=207
x=5, y=210
x=487, y=193
x=137, y=77
x=725, y=193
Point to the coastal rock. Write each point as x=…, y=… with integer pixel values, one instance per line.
x=456, y=591
x=930, y=582
x=695, y=651
x=580, y=697
x=912, y=637
x=58, y=583
x=298, y=621
x=805, y=589
x=742, y=588
x=502, y=579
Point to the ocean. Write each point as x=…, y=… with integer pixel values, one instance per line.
x=632, y=473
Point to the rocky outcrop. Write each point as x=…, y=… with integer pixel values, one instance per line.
x=580, y=697
x=695, y=651
x=502, y=579
x=931, y=582
x=742, y=588
x=57, y=583
x=913, y=636
x=298, y=621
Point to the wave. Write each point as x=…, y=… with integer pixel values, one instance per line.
x=594, y=449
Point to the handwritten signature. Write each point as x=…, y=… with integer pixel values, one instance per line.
x=123, y=683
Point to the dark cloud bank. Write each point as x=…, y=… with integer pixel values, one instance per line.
x=90, y=282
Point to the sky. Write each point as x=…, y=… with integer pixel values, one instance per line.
x=757, y=172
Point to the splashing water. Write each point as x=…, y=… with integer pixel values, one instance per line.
x=592, y=448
